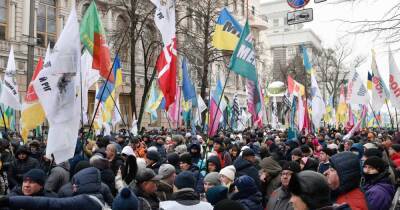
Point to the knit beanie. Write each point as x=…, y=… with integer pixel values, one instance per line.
x=291, y=166
x=35, y=175
x=312, y=188
x=373, y=152
x=186, y=158
x=246, y=184
x=166, y=170
x=228, y=204
x=229, y=172
x=185, y=180
x=153, y=155
x=173, y=158
x=216, y=194
x=125, y=200
x=271, y=166
x=376, y=163
x=212, y=178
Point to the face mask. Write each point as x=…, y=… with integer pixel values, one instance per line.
x=370, y=177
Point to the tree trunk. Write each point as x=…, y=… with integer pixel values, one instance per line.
x=133, y=76
x=204, y=79
x=146, y=89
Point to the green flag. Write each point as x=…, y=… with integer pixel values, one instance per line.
x=243, y=60
x=93, y=36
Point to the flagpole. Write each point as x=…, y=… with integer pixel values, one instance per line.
x=4, y=120
x=179, y=107
x=169, y=122
x=105, y=84
x=373, y=112
x=220, y=98
x=82, y=124
x=390, y=115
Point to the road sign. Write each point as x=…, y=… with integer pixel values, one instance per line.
x=296, y=4
x=300, y=16
x=318, y=1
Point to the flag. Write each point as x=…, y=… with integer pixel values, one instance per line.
x=9, y=93
x=235, y=112
x=166, y=63
x=153, y=101
x=32, y=113
x=300, y=114
x=93, y=37
x=89, y=78
x=254, y=102
x=109, y=104
x=394, y=81
x=174, y=109
x=317, y=103
x=116, y=116
x=215, y=110
x=57, y=87
x=357, y=126
x=379, y=91
x=306, y=60
x=369, y=81
x=134, y=129
x=227, y=31
x=97, y=116
x=187, y=86
x=243, y=60
x=201, y=107
x=358, y=94
x=295, y=87
x=329, y=110
x=342, y=106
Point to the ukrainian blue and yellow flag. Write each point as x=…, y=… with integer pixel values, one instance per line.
x=154, y=101
x=227, y=31
x=306, y=61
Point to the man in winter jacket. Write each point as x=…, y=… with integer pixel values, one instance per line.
x=279, y=198
x=378, y=189
x=146, y=188
x=185, y=197
x=270, y=176
x=22, y=164
x=58, y=177
x=344, y=177
x=247, y=193
x=86, y=191
x=165, y=187
x=33, y=185
x=245, y=165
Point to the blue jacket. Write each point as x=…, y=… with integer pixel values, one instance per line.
x=249, y=201
x=379, y=194
x=43, y=203
x=244, y=167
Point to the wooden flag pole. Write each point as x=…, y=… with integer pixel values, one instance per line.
x=390, y=115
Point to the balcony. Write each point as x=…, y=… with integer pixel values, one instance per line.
x=258, y=22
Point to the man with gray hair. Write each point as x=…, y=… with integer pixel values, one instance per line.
x=165, y=187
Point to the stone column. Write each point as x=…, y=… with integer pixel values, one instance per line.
x=12, y=21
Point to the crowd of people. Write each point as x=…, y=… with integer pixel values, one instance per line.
x=251, y=170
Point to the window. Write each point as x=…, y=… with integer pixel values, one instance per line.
x=226, y=3
x=46, y=23
x=253, y=10
x=3, y=19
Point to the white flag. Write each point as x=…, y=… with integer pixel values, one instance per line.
x=116, y=117
x=165, y=20
x=317, y=103
x=57, y=87
x=358, y=93
x=134, y=129
x=201, y=107
x=394, y=81
x=89, y=78
x=9, y=93
x=379, y=91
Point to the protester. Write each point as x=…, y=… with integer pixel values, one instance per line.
x=269, y=176
x=115, y=160
x=58, y=177
x=33, y=185
x=246, y=165
x=125, y=200
x=165, y=187
x=324, y=156
x=145, y=188
x=227, y=175
x=247, y=193
x=211, y=180
x=22, y=164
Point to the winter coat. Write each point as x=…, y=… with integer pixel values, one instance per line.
x=58, y=177
x=116, y=164
x=323, y=167
x=185, y=199
x=244, y=167
x=66, y=191
x=279, y=200
x=224, y=158
x=249, y=201
x=164, y=191
x=146, y=201
x=108, y=177
x=198, y=177
x=379, y=193
x=274, y=181
x=354, y=198
x=83, y=201
x=18, y=168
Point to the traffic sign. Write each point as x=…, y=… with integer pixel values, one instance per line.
x=300, y=16
x=296, y=4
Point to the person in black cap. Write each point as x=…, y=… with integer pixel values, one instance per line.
x=378, y=189
x=146, y=188
x=185, y=163
x=324, y=156
x=153, y=160
x=33, y=185
x=246, y=165
x=279, y=198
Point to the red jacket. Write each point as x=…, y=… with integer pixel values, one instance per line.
x=355, y=199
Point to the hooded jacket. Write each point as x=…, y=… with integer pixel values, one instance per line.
x=215, y=160
x=379, y=192
x=19, y=167
x=274, y=169
x=244, y=167
x=347, y=166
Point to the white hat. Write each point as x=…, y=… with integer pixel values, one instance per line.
x=333, y=146
x=127, y=150
x=229, y=172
